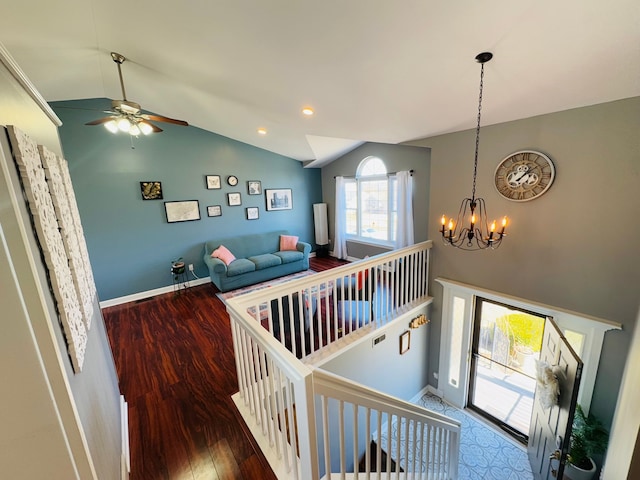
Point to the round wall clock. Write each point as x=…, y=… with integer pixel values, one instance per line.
x=232, y=180
x=524, y=175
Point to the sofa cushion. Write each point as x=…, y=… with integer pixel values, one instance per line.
x=289, y=256
x=223, y=254
x=288, y=242
x=265, y=261
x=240, y=266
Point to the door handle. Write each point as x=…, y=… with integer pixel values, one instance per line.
x=554, y=456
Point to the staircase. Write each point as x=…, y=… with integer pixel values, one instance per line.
x=310, y=423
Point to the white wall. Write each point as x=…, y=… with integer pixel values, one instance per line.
x=623, y=443
x=31, y=426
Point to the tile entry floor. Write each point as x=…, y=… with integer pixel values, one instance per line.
x=485, y=454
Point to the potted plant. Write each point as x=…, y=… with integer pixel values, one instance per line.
x=177, y=267
x=588, y=438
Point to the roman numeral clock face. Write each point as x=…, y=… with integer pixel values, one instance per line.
x=524, y=175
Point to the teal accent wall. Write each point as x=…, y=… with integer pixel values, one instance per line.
x=130, y=242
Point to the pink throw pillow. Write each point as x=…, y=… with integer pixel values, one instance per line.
x=288, y=242
x=223, y=254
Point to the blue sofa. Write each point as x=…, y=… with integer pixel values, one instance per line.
x=258, y=258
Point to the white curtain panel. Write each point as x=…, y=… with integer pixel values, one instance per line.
x=340, y=247
x=404, y=234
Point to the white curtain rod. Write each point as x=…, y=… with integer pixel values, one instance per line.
x=354, y=176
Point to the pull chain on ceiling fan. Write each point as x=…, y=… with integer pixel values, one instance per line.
x=127, y=116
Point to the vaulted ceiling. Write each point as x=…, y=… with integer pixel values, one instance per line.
x=373, y=70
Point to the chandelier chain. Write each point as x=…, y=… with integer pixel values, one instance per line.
x=475, y=160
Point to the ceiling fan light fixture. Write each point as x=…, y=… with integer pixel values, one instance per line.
x=145, y=128
x=127, y=116
x=134, y=130
x=124, y=124
x=112, y=126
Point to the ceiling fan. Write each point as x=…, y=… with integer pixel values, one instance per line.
x=127, y=116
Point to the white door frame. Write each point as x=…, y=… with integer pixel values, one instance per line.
x=592, y=330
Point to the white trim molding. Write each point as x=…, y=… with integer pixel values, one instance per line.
x=7, y=60
x=149, y=293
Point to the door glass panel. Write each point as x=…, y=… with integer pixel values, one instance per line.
x=455, y=348
x=506, y=345
x=576, y=340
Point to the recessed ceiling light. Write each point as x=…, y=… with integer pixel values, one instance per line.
x=308, y=111
x=262, y=131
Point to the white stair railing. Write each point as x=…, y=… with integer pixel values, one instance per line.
x=421, y=443
x=289, y=405
x=310, y=313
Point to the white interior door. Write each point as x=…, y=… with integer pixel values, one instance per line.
x=551, y=425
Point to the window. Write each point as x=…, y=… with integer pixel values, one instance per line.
x=371, y=203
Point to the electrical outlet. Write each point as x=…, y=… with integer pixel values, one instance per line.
x=191, y=267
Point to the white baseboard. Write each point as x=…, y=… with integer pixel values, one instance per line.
x=149, y=293
x=435, y=391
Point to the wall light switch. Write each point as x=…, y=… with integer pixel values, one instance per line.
x=379, y=339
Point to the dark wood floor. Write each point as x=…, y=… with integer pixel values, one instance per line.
x=174, y=358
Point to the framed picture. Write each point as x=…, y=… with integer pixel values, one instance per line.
x=254, y=187
x=151, y=190
x=182, y=211
x=213, y=182
x=234, y=199
x=405, y=342
x=214, y=210
x=253, y=213
x=279, y=199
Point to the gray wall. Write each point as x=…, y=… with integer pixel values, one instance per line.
x=46, y=403
x=574, y=247
x=396, y=158
x=382, y=367
x=130, y=242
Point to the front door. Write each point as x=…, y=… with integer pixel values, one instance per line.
x=551, y=424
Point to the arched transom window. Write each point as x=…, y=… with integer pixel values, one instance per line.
x=371, y=203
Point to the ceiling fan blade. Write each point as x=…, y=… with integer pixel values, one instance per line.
x=99, y=121
x=110, y=112
x=160, y=118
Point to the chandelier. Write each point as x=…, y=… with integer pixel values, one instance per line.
x=471, y=230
